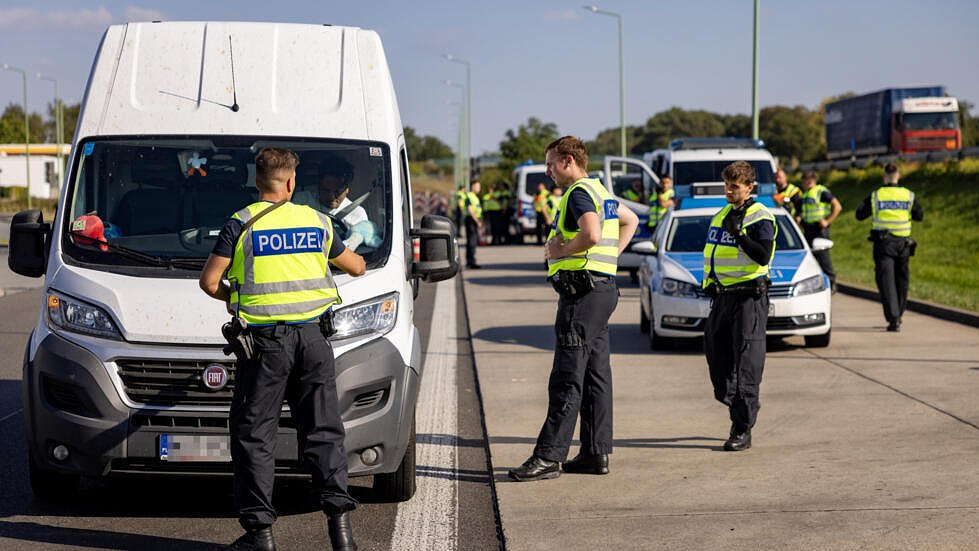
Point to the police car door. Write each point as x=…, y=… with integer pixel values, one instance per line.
x=619, y=174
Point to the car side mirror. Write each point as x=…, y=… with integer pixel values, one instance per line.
x=436, y=252
x=29, y=235
x=821, y=244
x=645, y=247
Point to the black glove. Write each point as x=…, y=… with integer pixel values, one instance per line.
x=732, y=222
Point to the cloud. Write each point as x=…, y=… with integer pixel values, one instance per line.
x=30, y=19
x=562, y=15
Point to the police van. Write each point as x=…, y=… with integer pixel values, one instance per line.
x=124, y=372
x=526, y=179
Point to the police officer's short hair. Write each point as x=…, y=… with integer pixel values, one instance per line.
x=271, y=161
x=890, y=168
x=810, y=175
x=739, y=172
x=570, y=145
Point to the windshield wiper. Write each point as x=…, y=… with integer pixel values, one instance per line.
x=148, y=259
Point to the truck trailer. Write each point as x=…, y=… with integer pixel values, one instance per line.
x=894, y=120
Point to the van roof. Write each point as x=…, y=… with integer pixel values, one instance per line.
x=289, y=80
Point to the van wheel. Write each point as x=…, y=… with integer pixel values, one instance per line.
x=50, y=485
x=399, y=485
x=659, y=342
x=643, y=320
x=818, y=341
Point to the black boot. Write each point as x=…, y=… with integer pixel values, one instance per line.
x=738, y=441
x=584, y=463
x=341, y=534
x=257, y=539
x=536, y=468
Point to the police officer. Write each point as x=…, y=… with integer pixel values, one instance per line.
x=816, y=208
x=660, y=202
x=459, y=198
x=280, y=297
x=473, y=211
x=582, y=254
x=552, y=205
x=893, y=207
x=740, y=246
x=785, y=192
x=634, y=192
x=540, y=208
x=493, y=211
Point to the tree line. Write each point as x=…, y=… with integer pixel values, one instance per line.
x=42, y=128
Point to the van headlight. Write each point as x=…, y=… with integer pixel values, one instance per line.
x=809, y=286
x=74, y=315
x=373, y=317
x=677, y=288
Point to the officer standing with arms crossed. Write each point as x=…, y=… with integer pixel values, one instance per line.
x=290, y=356
x=893, y=207
x=740, y=246
x=815, y=210
x=591, y=229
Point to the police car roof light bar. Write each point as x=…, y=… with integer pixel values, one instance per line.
x=716, y=143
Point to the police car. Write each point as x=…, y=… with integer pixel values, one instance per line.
x=674, y=306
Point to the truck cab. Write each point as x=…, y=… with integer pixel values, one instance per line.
x=925, y=124
x=126, y=359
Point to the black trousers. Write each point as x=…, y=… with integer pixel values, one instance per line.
x=294, y=362
x=581, y=376
x=734, y=341
x=822, y=257
x=472, y=240
x=891, y=257
x=458, y=221
x=541, y=229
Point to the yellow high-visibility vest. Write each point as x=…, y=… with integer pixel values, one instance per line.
x=721, y=252
x=603, y=257
x=892, y=210
x=813, y=207
x=656, y=212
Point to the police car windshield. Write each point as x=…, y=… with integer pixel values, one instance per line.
x=168, y=197
x=688, y=234
x=692, y=172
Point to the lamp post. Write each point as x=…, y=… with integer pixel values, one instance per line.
x=468, y=108
x=27, y=130
x=59, y=136
x=456, y=122
x=596, y=9
x=463, y=149
x=754, y=80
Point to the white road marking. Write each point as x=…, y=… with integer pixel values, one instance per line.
x=430, y=520
x=9, y=415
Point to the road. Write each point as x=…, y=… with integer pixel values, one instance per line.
x=452, y=509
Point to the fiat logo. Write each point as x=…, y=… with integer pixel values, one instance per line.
x=215, y=377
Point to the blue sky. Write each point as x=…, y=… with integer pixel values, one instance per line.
x=554, y=60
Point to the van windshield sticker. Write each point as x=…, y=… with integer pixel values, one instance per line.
x=377, y=152
x=89, y=148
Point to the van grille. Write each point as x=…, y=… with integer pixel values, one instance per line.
x=172, y=382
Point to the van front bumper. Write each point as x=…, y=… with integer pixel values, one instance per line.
x=74, y=399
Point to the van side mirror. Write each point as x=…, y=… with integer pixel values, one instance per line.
x=644, y=247
x=821, y=244
x=437, y=252
x=28, y=243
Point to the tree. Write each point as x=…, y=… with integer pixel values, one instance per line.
x=678, y=123
x=12, y=125
x=608, y=141
x=528, y=142
x=790, y=133
x=969, y=124
x=70, y=114
x=425, y=148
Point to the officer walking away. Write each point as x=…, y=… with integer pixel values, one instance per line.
x=474, y=220
x=740, y=246
x=281, y=300
x=816, y=208
x=660, y=202
x=540, y=208
x=785, y=191
x=582, y=252
x=892, y=207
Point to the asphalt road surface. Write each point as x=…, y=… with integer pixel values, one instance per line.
x=453, y=508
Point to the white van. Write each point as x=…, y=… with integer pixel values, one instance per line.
x=526, y=178
x=126, y=358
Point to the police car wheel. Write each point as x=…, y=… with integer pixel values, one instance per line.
x=818, y=341
x=50, y=485
x=399, y=485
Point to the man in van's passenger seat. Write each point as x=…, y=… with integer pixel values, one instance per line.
x=285, y=317
x=334, y=186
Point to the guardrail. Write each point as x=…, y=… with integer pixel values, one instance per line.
x=880, y=160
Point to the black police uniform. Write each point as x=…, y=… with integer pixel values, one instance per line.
x=812, y=231
x=891, y=256
x=581, y=375
x=734, y=336
x=472, y=235
x=293, y=362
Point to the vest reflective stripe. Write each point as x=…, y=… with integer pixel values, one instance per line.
x=656, y=212
x=603, y=257
x=540, y=201
x=813, y=209
x=289, y=280
x=473, y=199
x=892, y=210
x=731, y=265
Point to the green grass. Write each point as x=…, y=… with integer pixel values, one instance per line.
x=944, y=269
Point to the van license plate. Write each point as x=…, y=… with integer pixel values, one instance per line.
x=188, y=447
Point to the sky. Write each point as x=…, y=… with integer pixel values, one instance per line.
x=555, y=60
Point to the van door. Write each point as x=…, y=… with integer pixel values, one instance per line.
x=619, y=177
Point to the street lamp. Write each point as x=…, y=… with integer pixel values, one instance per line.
x=754, y=81
x=58, y=121
x=462, y=150
x=596, y=9
x=469, y=119
x=27, y=130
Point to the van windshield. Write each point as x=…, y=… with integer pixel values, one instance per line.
x=533, y=179
x=692, y=172
x=161, y=201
